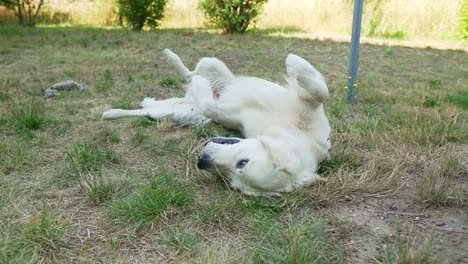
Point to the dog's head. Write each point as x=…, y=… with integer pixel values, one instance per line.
x=254, y=165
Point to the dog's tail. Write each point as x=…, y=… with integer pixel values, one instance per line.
x=173, y=59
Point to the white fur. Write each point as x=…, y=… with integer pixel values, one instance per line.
x=285, y=128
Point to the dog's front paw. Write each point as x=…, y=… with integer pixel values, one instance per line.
x=112, y=114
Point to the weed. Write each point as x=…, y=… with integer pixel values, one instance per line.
x=389, y=51
x=126, y=104
x=170, y=82
x=460, y=100
x=204, y=132
x=435, y=187
x=96, y=188
x=264, y=205
x=167, y=146
x=105, y=83
x=336, y=108
x=27, y=116
x=430, y=102
x=149, y=204
x=143, y=121
x=44, y=230
x=139, y=136
x=435, y=83
x=4, y=97
x=405, y=251
x=398, y=34
x=83, y=157
x=182, y=241
x=106, y=135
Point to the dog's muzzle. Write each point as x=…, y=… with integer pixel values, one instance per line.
x=205, y=161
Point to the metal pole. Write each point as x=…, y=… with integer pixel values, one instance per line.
x=354, y=52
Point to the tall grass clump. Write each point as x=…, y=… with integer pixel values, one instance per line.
x=27, y=116
x=406, y=251
x=437, y=183
x=153, y=201
x=96, y=187
x=83, y=157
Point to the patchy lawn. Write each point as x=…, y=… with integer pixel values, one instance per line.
x=76, y=188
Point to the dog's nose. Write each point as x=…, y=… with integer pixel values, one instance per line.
x=204, y=161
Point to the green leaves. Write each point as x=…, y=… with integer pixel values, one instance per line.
x=232, y=16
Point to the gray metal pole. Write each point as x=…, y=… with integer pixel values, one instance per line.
x=354, y=52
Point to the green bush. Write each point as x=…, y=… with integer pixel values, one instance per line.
x=232, y=16
x=137, y=13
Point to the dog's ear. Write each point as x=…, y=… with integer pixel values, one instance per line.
x=287, y=161
x=283, y=157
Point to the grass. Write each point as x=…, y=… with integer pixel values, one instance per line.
x=27, y=116
x=84, y=157
x=152, y=201
x=298, y=239
x=16, y=156
x=407, y=251
x=128, y=190
x=97, y=188
x=41, y=238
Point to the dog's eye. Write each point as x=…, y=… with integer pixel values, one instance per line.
x=241, y=163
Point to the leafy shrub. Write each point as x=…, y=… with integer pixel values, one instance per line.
x=138, y=13
x=232, y=16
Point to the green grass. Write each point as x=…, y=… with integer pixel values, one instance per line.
x=104, y=83
x=183, y=242
x=83, y=157
x=128, y=190
x=40, y=238
x=459, y=100
x=27, y=116
x=437, y=185
x=97, y=187
x=139, y=137
x=16, y=156
x=297, y=239
x=407, y=251
x=170, y=82
x=150, y=203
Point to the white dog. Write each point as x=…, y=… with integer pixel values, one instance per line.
x=285, y=128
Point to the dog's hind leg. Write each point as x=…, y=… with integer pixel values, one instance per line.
x=201, y=91
x=175, y=60
x=311, y=80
